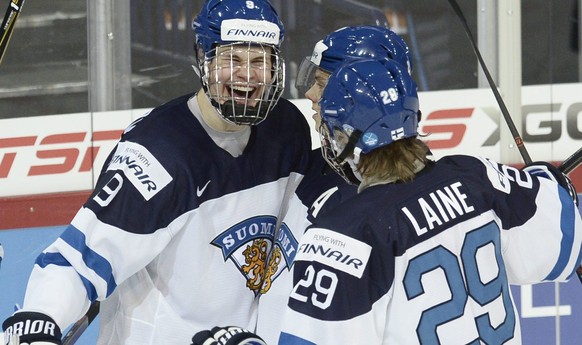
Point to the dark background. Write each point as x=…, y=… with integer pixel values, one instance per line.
x=45, y=68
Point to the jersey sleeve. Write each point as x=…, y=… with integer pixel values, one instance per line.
x=117, y=232
x=541, y=232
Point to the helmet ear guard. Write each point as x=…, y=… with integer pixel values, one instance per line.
x=198, y=59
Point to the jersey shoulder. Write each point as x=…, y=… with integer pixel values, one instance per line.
x=321, y=188
x=163, y=123
x=285, y=118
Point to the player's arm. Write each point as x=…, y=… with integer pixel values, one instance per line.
x=98, y=251
x=541, y=226
x=548, y=171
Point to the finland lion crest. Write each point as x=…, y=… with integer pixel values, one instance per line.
x=259, y=256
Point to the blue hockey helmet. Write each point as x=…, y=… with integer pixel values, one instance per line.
x=236, y=32
x=366, y=104
x=353, y=42
x=227, y=21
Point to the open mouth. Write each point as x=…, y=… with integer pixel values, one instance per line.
x=240, y=93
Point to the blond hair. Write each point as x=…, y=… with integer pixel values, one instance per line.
x=397, y=162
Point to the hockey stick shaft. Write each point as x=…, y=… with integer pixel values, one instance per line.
x=572, y=162
x=513, y=130
x=12, y=12
x=568, y=165
x=81, y=325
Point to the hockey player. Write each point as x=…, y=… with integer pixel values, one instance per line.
x=345, y=44
x=348, y=43
x=425, y=253
x=183, y=230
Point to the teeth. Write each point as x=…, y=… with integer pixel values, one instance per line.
x=242, y=88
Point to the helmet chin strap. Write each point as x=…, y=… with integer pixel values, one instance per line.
x=197, y=71
x=252, y=115
x=351, y=171
x=350, y=146
x=353, y=163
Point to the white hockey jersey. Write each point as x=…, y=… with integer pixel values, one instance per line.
x=180, y=236
x=431, y=261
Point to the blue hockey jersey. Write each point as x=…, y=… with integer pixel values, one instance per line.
x=431, y=261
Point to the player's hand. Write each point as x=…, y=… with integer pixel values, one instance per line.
x=546, y=170
x=230, y=335
x=31, y=328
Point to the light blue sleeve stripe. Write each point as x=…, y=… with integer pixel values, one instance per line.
x=290, y=339
x=45, y=259
x=567, y=225
x=93, y=261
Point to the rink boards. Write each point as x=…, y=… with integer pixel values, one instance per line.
x=46, y=173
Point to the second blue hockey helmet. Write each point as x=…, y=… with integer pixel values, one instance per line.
x=349, y=43
x=367, y=104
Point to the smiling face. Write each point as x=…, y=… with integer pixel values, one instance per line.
x=244, y=81
x=240, y=73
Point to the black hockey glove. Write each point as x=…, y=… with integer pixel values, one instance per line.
x=230, y=335
x=32, y=328
x=546, y=170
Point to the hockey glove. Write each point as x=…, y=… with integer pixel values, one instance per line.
x=230, y=335
x=546, y=170
x=32, y=328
